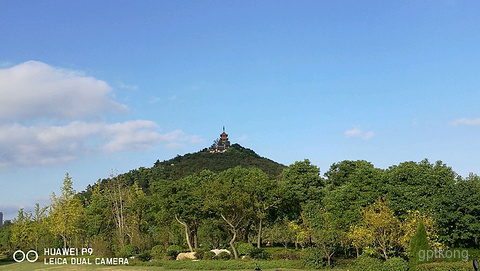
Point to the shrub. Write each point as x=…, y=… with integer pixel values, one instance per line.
x=157, y=252
x=144, y=256
x=243, y=248
x=199, y=252
x=259, y=254
x=313, y=258
x=458, y=255
x=173, y=251
x=395, y=264
x=128, y=251
x=102, y=247
x=367, y=263
x=223, y=256
x=209, y=255
x=458, y=266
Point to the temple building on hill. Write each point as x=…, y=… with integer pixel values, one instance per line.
x=221, y=144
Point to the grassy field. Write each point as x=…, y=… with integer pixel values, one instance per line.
x=163, y=265
x=41, y=266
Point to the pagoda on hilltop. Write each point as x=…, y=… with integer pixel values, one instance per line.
x=221, y=144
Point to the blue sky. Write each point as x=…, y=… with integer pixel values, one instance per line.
x=94, y=88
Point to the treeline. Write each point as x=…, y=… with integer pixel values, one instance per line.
x=352, y=208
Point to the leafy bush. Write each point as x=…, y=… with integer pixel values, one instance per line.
x=367, y=263
x=128, y=251
x=395, y=264
x=243, y=248
x=458, y=266
x=199, y=252
x=209, y=255
x=145, y=256
x=173, y=251
x=157, y=252
x=459, y=254
x=259, y=254
x=223, y=256
x=313, y=258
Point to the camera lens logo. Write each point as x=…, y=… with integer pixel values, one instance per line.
x=25, y=256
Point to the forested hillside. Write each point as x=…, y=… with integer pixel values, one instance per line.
x=192, y=163
x=228, y=200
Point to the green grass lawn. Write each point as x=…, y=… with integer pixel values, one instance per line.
x=272, y=265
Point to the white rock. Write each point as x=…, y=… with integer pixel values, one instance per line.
x=186, y=256
x=218, y=251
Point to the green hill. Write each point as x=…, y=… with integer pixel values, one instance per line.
x=191, y=163
x=236, y=155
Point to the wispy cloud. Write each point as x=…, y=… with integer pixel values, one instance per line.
x=50, y=145
x=468, y=122
x=241, y=138
x=126, y=86
x=155, y=100
x=357, y=132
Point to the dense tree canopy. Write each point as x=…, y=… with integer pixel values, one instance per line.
x=184, y=203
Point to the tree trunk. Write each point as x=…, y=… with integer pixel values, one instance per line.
x=259, y=239
x=234, y=231
x=385, y=253
x=195, y=240
x=327, y=254
x=232, y=242
x=187, y=236
x=64, y=237
x=195, y=234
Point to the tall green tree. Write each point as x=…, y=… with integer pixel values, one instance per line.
x=328, y=234
x=382, y=228
x=412, y=186
x=458, y=213
x=40, y=227
x=186, y=204
x=304, y=188
x=228, y=197
x=99, y=221
x=266, y=194
x=418, y=243
x=66, y=213
x=281, y=232
x=5, y=236
x=21, y=230
x=351, y=186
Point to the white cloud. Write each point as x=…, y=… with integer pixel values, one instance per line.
x=129, y=87
x=241, y=138
x=50, y=145
x=131, y=135
x=34, y=90
x=155, y=100
x=357, y=132
x=468, y=122
x=33, y=95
